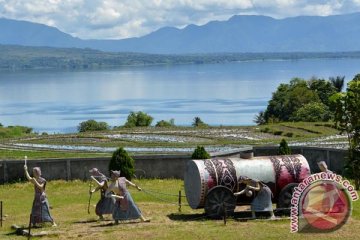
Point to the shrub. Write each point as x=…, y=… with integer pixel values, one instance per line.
x=121, y=160
x=164, y=123
x=312, y=112
x=284, y=148
x=265, y=130
x=200, y=153
x=289, y=134
x=14, y=131
x=92, y=125
x=138, y=119
x=278, y=133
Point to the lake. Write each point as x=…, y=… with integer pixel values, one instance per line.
x=220, y=94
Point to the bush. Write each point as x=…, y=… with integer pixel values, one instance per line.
x=289, y=134
x=265, y=130
x=92, y=125
x=278, y=133
x=164, y=123
x=312, y=112
x=284, y=148
x=14, y=131
x=138, y=119
x=200, y=153
x=120, y=160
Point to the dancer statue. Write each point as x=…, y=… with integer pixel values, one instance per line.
x=262, y=201
x=125, y=207
x=323, y=167
x=105, y=205
x=40, y=212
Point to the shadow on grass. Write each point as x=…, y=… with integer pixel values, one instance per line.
x=187, y=217
x=85, y=221
x=112, y=224
x=241, y=216
x=91, y=221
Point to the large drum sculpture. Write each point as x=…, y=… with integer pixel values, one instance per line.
x=210, y=183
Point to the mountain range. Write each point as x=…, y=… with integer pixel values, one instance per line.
x=241, y=33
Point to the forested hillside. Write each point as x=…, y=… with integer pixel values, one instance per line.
x=18, y=58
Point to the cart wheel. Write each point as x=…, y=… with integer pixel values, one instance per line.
x=285, y=196
x=218, y=199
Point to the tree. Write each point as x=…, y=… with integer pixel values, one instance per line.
x=259, y=119
x=198, y=122
x=163, y=123
x=288, y=98
x=347, y=119
x=337, y=82
x=312, y=112
x=324, y=89
x=284, y=148
x=138, y=119
x=92, y=125
x=120, y=160
x=200, y=153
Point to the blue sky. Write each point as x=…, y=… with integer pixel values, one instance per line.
x=116, y=19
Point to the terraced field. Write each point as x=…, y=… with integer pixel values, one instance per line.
x=170, y=140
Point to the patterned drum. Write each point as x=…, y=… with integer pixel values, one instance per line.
x=274, y=171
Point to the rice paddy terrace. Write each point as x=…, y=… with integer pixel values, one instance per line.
x=176, y=140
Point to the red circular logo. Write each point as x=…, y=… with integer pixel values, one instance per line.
x=325, y=206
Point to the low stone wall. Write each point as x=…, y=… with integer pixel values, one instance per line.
x=150, y=166
x=155, y=166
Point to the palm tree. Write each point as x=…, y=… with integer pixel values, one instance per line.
x=259, y=118
x=337, y=82
x=198, y=122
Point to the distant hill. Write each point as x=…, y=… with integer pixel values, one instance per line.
x=238, y=34
x=15, y=57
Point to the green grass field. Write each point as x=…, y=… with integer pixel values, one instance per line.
x=69, y=208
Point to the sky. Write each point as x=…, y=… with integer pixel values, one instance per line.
x=118, y=19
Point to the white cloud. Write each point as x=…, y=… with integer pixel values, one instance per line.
x=113, y=19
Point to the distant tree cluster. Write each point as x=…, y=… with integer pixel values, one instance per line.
x=14, y=131
x=92, y=125
x=14, y=57
x=138, y=119
x=134, y=119
x=164, y=123
x=302, y=100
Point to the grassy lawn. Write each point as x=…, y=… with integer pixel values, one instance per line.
x=69, y=208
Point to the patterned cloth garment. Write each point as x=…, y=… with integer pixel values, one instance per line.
x=105, y=205
x=125, y=209
x=262, y=201
x=40, y=212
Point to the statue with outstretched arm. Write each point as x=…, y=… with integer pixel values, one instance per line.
x=104, y=205
x=125, y=207
x=40, y=212
x=262, y=200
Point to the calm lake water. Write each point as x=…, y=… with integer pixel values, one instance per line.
x=220, y=94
